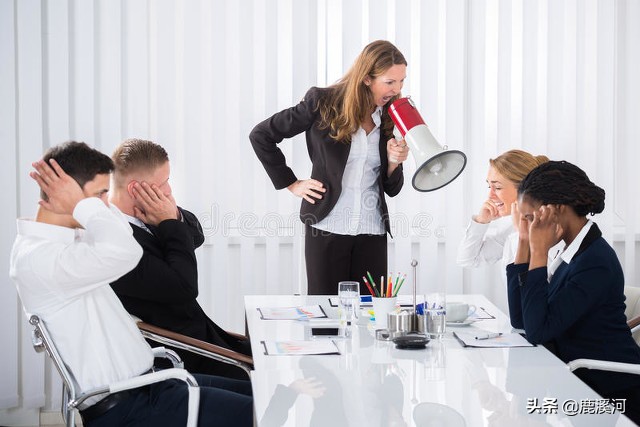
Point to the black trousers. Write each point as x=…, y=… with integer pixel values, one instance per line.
x=332, y=258
x=223, y=402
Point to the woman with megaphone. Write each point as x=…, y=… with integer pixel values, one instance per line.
x=355, y=161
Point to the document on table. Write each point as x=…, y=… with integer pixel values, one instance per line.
x=291, y=313
x=470, y=339
x=366, y=301
x=299, y=348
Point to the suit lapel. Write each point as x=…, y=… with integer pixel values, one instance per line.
x=593, y=234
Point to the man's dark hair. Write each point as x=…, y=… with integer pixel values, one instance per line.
x=563, y=183
x=79, y=161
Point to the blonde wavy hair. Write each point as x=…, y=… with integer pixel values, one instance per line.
x=350, y=101
x=514, y=165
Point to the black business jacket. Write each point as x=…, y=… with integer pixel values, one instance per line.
x=328, y=156
x=580, y=313
x=162, y=288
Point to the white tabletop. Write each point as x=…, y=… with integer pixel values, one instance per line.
x=371, y=383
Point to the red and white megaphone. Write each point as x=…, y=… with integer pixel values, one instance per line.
x=436, y=166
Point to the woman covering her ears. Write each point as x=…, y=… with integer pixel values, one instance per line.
x=574, y=305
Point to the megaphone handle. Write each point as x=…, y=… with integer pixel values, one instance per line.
x=396, y=133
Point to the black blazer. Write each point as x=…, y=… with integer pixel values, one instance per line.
x=580, y=314
x=328, y=156
x=163, y=287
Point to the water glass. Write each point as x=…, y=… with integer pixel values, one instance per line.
x=435, y=313
x=348, y=304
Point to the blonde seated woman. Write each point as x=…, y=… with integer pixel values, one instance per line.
x=491, y=235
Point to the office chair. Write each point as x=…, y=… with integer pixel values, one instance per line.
x=605, y=365
x=71, y=399
x=202, y=348
x=632, y=311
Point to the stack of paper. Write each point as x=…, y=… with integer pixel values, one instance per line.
x=299, y=348
x=291, y=313
x=477, y=338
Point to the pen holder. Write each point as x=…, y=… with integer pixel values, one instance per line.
x=382, y=307
x=400, y=322
x=420, y=323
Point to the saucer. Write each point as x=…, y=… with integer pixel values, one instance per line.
x=465, y=322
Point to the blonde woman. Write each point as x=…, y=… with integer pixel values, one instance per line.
x=355, y=161
x=491, y=235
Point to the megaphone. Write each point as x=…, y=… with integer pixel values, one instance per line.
x=436, y=165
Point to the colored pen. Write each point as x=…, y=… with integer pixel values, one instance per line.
x=373, y=282
x=399, y=285
x=366, y=282
x=489, y=336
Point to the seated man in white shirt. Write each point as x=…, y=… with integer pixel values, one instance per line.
x=62, y=263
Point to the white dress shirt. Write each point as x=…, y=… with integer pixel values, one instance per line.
x=488, y=243
x=493, y=242
x=63, y=274
x=357, y=210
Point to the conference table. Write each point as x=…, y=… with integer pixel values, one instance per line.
x=372, y=383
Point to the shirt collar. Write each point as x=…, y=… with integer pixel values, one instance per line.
x=570, y=251
x=377, y=116
x=136, y=221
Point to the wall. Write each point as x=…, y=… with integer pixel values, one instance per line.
x=551, y=77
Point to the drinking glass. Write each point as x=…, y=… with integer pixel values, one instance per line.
x=435, y=313
x=348, y=304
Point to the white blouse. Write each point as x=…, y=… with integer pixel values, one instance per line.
x=357, y=210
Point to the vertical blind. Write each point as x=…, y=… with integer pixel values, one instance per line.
x=550, y=77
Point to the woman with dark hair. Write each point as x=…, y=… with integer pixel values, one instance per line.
x=355, y=161
x=575, y=305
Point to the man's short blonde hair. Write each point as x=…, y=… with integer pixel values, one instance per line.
x=134, y=156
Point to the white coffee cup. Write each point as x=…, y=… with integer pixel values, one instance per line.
x=459, y=311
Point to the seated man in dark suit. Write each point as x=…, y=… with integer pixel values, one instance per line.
x=163, y=287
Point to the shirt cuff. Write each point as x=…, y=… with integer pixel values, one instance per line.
x=477, y=229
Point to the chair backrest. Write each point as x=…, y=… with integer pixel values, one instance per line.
x=633, y=307
x=42, y=342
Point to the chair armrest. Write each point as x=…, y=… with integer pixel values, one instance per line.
x=135, y=382
x=196, y=346
x=605, y=365
x=634, y=323
x=244, y=337
x=165, y=353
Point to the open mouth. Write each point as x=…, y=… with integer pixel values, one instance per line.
x=386, y=99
